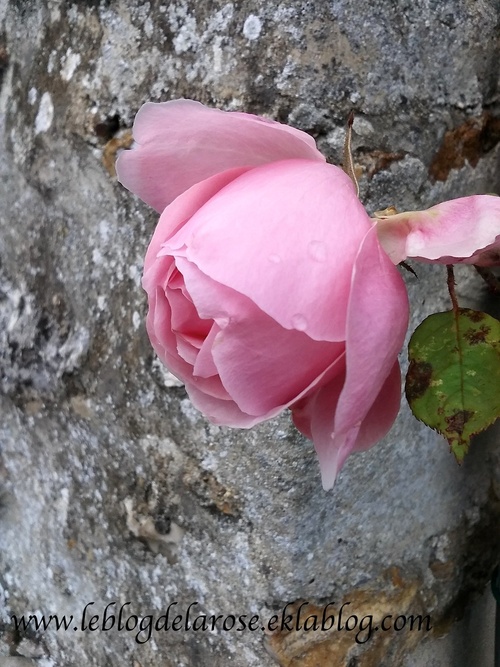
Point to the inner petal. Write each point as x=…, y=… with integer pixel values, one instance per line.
x=190, y=330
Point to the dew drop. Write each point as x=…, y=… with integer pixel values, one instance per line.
x=275, y=259
x=299, y=322
x=317, y=250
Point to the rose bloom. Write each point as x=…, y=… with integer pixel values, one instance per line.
x=266, y=283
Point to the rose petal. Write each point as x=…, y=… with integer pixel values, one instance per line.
x=376, y=327
x=164, y=342
x=465, y=230
x=285, y=235
x=158, y=325
x=314, y=417
x=262, y=366
x=223, y=412
x=382, y=414
x=185, y=320
x=180, y=143
x=334, y=415
x=180, y=211
x=205, y=365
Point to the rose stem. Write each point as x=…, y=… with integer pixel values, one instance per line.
x=451, y=287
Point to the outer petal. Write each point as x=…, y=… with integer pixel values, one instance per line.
x=223, y=412
x=285, y=235
x=465, y=230
x=180, y=143
x=382, y=414
x=376, y=327
x=357, y=407
x=314, y=416
x=181, y=210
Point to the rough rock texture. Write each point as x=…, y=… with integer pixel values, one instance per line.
x=112, y=487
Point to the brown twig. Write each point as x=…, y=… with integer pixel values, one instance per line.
x=348, y=161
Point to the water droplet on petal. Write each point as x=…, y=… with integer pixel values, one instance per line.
x=275, y=259
x=299, y=322
x=317, y=250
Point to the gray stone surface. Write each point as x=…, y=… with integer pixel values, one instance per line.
x=112, y=487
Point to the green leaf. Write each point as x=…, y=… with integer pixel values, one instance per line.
x=453, y=381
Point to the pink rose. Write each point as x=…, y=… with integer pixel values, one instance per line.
x=266, y=282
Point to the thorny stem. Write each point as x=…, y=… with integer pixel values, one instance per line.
x=451, y=287
x=489, y=278
x=348, y=161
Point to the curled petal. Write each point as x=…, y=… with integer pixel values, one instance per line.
x=465, y=230
x=180, y=143
x=377, y=322
x=358, y=406
x=314, y=417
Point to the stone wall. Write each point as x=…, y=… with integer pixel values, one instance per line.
x=112, y=487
